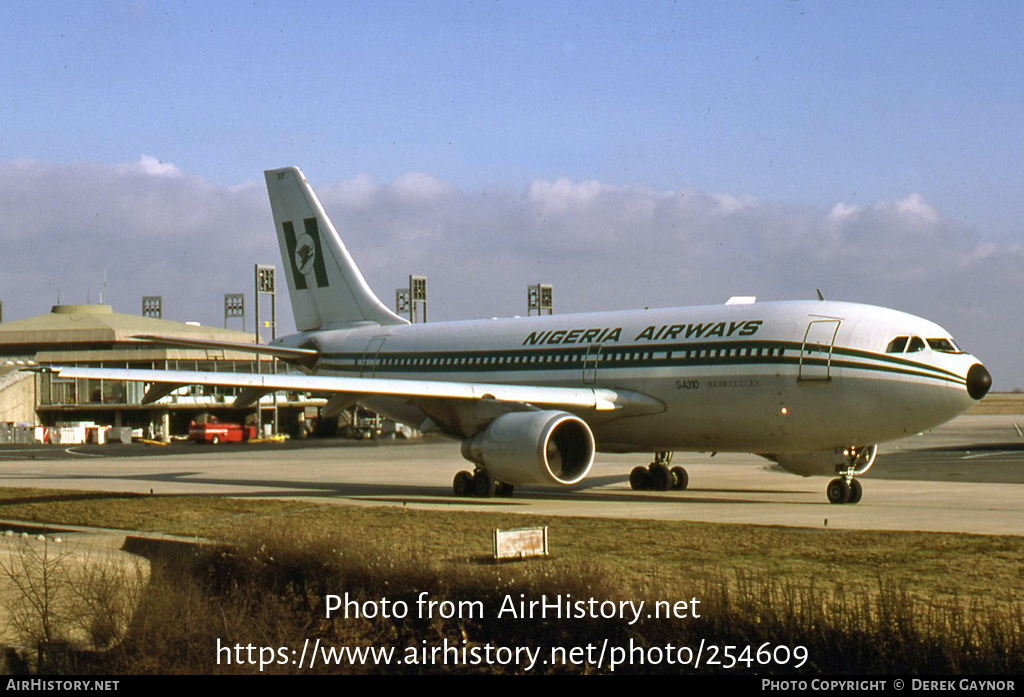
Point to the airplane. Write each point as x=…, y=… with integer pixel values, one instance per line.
x=812, y=386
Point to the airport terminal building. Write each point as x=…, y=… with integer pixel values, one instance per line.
x=95, y=335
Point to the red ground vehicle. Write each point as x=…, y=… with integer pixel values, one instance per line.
x=213, y=431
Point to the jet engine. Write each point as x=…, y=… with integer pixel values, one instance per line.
x=551, y=448
x=854, y=459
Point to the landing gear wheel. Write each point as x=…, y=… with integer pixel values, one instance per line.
x=680, y=479
x=483, y=484
x=838, y=491
x=215, y=440
x=503, y=489
x=463, y=484
x=639, y=479
x=856, y=491
x=660, y=476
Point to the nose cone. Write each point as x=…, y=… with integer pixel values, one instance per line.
x=979, y=381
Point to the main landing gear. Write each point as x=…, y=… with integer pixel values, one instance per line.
x=480, y=484
x=659, y=475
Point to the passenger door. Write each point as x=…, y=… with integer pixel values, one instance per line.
x=368, y=363
x=816, y=351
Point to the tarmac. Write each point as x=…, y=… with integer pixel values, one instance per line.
x=967, y=476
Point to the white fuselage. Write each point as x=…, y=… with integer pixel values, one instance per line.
x=775, y=377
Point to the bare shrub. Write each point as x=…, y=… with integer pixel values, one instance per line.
x=106, y=594
x=40, y=607
x=58, y=595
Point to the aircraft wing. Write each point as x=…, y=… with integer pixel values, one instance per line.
x=612, y=402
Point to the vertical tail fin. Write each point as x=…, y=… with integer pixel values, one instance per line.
x=325, y=286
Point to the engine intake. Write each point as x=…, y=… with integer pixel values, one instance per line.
x=552, y=448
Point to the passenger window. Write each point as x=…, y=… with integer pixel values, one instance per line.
x=916, y=344
x=897, y=345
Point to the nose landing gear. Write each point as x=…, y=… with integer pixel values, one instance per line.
x=846, y=489
x=843, y=491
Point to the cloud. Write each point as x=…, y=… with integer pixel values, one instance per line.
x=146, y=226
x=562, y=196
x=154, y=229
x=152, y=166
x=914, y=206
x=356, y=193
x=419, y=187
x=842, y=211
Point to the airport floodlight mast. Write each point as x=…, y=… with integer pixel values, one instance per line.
x=153, y=306
x=418, y=297
x=265, y=285
x=402, y=303
x=234, y=306
x=539, y=299
x=409, y=300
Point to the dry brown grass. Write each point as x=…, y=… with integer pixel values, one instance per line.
x=861, y=601
x=967, y=566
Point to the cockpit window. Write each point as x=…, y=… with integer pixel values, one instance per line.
x=943, y=345
x=897, y=345
x=916, y=344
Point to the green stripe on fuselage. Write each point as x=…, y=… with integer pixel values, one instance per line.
x=741, y=353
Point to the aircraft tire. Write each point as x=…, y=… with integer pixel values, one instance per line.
x=639, y=480
x=660, y=476
x=838, y=491
x=463, y=484
x=215, y=440
x=483, y=484
x=856, y=491
x=680, y=479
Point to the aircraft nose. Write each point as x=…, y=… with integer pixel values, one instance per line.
x=979, y=381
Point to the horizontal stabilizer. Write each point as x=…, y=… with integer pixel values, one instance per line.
x=301, y=356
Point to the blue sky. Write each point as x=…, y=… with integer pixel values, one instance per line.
x=792, y=111
x=800, y=102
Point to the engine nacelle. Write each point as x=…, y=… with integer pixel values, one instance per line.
x=830, y=462
x=552, y=448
